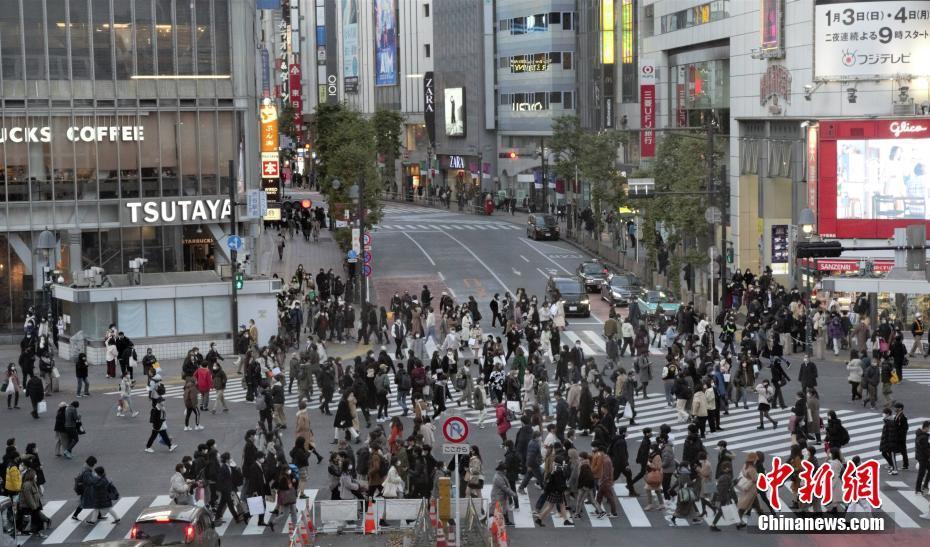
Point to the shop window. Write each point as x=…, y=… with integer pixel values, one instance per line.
x=227, y=140
x=221, y=35
x=103, y=53
x=10, y=35
x=57, y=40
x=129, y=167
x=122, y=34
x=63, y=157
x=185, y=37
x=40, y=164
x=132, y=318
x=204, y=34
x=159, y=315
x=164, y=36
x=17, y=165
x=189, y=148
x=188, y=316
x=145, y=38
x=152, y=248
x=111, y=252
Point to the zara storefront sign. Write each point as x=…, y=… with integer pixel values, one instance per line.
x=112, y=133
x=175, y=211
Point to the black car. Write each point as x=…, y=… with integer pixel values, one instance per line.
x=176, y=525
x=621, y=289
x=593, y=273
x=542, y=226
x=571, y=291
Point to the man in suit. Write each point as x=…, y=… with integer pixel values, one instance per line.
x=495, y=310
x=576, y=356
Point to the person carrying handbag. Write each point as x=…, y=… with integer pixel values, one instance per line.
x=286, y=486
x=30, y=502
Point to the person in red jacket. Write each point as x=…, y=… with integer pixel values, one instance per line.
x=503, y=423
x=204, y=379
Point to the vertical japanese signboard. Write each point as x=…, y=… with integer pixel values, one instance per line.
x=295, y=93
x=647, y=110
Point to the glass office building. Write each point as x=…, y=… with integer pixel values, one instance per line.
x=111, y=105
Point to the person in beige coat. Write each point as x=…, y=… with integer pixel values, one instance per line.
x=747, y=494
x=304, y=430
x=699, y=410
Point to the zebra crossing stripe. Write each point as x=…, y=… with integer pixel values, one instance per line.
x=469, y=227
x=573, y=337
x=915, y=499
x=67, y=526
x=631, y=508
x=596, y=340
x=592, y=518
x=253, y=529
x=900, y=517
x=104, y=527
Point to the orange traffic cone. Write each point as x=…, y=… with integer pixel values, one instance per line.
x=370, y=525
x=441, y=536
x=432, y=512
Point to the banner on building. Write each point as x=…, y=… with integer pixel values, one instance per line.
x=385, y=42
x=268, y=4
x=295, y=93
x=429, y=107
x=647, y=110
x=350, y=45
x=869, y=40
x=269, y=119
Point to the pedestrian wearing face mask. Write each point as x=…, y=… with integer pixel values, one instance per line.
x=219, y=385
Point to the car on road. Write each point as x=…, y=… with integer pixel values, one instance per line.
x=593, y=273
x=122, y=543
x=542, y=226
x=7, y=523
x=621, y=289
x=650, y=301
x=176, y=525
x=571, y=291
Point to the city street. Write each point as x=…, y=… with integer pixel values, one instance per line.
x=466, y=255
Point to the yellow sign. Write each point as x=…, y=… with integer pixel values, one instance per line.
x=269, y=118
x=607, y=32
x=272, y=213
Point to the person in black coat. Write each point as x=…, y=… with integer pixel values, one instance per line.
x=922, y=455
x=344, y=418
x=900, y=434
x=620, y=458
x=35, y=390
x=779, y=380
x=256, y=484
x=642, y=454
x=807, y=374
x=522, y=440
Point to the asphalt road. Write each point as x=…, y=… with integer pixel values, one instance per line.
x=467, y=255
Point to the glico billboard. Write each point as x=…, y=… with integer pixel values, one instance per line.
x=871, y=176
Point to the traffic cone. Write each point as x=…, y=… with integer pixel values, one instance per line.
x=370, y=525
x=432, y=512
x=441, y=537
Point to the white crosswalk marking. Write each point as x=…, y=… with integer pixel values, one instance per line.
x=915, y=499
x=163, y=499
x=446, y=225
x=253, y=529
x=592, y=518
x=104, y=527
x=901, y=518
x=573, y=337
x=67, y=526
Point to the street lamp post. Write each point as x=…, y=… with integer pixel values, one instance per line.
x=47, y=244
x=807, y=221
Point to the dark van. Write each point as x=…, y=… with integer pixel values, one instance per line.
x=542, y=226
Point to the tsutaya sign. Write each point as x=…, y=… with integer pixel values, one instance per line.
x=125, y=133
x=176, y=210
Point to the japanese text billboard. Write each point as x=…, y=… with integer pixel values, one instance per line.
x=350, y=45
x=862, y=40
x=647, y=110
x=385, y=43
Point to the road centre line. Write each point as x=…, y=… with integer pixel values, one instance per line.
x=421, y=249
x=486, y=267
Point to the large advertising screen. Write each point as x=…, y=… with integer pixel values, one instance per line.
x=454, y=108
x=882, y=178
x=385, y=43
x=350, y=45
x=867, y=40
x=872, y=177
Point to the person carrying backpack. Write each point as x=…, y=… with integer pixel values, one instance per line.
x=404, y=385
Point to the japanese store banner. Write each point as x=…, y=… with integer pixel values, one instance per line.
x=859, y=40
x=647, y=110
x=269, y=118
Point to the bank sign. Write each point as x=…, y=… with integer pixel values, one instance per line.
x=174, y=211
x=112, y=133
x=865, y=40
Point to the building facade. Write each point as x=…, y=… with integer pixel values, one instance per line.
x=118, y=123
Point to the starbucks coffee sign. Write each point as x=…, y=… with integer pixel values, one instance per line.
x=174, y=211
x=112, y=133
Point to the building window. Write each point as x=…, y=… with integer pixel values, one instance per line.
x=165, y=37
x=695, y=16
x=555, y=57
x=567, y=60
x=518, y=25
x=555, y=18
x=425, y=10
x=568, y=102
x=426, y=50
x=103, y=53
x=567, y=20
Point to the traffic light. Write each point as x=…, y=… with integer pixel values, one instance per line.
x=512, y=155
x=240, y=281
x=306, y=203
x=818, y=249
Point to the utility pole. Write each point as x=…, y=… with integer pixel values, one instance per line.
x=359, y=271
x=233, y=254
x=545, y=180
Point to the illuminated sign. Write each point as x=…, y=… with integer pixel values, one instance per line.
x=429, y=106
x=772, y=14
x=607, y=32
x=176, y=210
x=626, y=32
x=456, y=162
x=525, y=107
x=522, y=64
x=269, y=120
x=125, y=133
x=647, y=110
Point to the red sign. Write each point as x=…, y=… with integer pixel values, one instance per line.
x=812, y=167
x=868, y=176
x=295, y=91
x=455, y=429
x=270, y=169
x=850, y=265
x=647, y=111
x=859, y=483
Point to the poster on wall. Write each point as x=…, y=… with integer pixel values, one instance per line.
x=385, y=43
x=865, y=40
x=647, y=110
x=454, y=111
x=772, y=12
x=350, y=45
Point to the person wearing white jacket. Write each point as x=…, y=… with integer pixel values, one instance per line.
x=179, y=490
x=393, y=485
x=765, y=391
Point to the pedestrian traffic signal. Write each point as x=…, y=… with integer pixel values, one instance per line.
x=306, y=203
x=512, y=155
x=817, y=249
x=240, y=281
